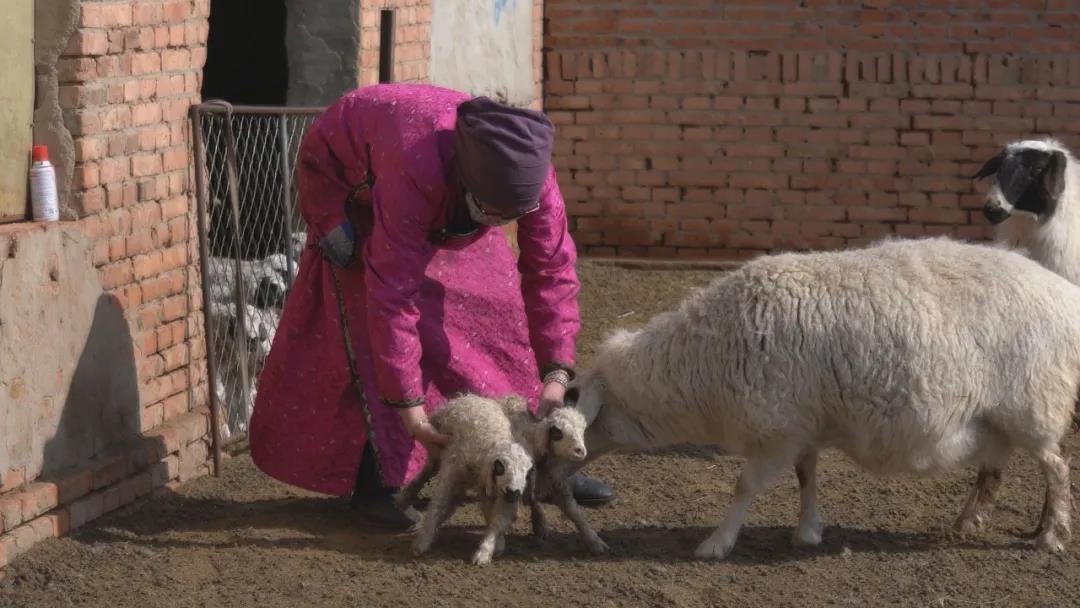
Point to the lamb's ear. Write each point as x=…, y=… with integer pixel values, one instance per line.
x=571, y=397
x=991, y=166
x=1054, y=176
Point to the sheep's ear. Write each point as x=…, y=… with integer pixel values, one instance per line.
x=571, y=397
x=991, y=167
x=1054, y=177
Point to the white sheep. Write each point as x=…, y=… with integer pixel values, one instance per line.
x=916, y=356
x=483, y=456
x=1034, y=202
x=557, y=445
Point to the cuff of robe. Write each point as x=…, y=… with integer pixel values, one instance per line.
x=402, y=404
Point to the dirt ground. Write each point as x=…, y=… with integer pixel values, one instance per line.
x=243, y=540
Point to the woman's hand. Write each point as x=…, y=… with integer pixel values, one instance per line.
x=418, y=427
x=551, y=397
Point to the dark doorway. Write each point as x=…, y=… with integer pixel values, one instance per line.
x=246, y=61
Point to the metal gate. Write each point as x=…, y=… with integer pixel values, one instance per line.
x=250, y=239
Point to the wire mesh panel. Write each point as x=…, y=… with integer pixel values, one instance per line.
x=251, y=236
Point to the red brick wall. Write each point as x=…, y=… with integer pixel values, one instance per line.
x=126, y=81
x=412, y=40
x=708, y=129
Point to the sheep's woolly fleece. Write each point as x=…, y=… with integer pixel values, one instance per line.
x=914, y=356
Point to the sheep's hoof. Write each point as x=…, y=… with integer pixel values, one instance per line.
x=1050, y=542
x=598, y=546
x=807, y=537
x=714, y=548
x=420, y=546
x=542, y=532
x=969, y=526
x=481, y=558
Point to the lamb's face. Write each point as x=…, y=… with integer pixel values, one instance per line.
x=509, y=468
x=566, y=434
x=1029, y=177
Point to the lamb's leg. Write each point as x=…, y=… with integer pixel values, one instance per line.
x=502, y=515
x=756, y=475
x=1056, y=525
x=409, y=495
x=539, y=520
x=442, y=504
x=487, y=508
x=564, y=497
x=809, y=531
x=980, y=502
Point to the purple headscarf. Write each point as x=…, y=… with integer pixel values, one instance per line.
x=503, y=154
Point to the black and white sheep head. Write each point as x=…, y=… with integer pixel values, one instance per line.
x=1029, y=177
x=566, y=433
x=509, y=468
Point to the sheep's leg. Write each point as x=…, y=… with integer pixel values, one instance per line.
x=1056, y=525
x=1044, y=517
x=980, y=502
x=573, y=511
x=539, y=520
x=756, y=475
x=442, y=505
x=809, y=531
x=502, y=515
x=976, y=513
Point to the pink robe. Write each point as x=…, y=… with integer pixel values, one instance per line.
x=426, y=320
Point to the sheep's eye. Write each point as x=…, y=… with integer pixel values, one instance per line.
x=555, y=434
x=498, y=468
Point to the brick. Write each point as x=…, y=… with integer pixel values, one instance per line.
x=74, y=485
x=105, y=15
x=10, y=513
x=87, y=43
x=38, y=498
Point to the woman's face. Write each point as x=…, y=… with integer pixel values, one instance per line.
x=482, y=216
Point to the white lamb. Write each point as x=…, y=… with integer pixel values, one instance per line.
x=1034, y=202
x=916, y=356
x=483, y=456
x=557, y=444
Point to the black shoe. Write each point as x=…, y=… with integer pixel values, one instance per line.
x=589, y=492
x=379, y=510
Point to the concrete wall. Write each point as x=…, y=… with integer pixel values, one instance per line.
x=16, y=105
x=69, y=389
x=323, y=42
x=484, y=47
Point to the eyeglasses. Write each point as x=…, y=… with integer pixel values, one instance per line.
x=475, y=204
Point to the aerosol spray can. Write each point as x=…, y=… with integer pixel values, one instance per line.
x=46, y=207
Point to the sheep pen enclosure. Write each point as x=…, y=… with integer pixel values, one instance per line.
x=244, y=540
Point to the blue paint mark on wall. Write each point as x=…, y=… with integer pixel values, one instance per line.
x=500, y=6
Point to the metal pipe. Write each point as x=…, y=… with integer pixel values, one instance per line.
x=286, y=195
x=386, y=46
x=215, y=106
x=239, y=293
x=202, y=195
